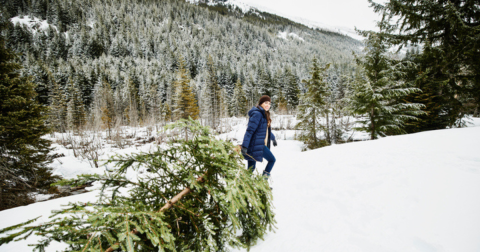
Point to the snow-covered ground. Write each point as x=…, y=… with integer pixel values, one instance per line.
x=286, y=35
x=33, y=23
x=417, y=192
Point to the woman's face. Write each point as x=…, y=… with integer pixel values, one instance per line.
x=266, y=105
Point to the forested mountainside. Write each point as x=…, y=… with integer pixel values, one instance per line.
x=76, y=47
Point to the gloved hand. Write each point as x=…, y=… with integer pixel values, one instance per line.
x=274, y=143
x=244, y=151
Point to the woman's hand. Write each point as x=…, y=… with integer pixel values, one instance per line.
x=274, y=142
x=244, y=151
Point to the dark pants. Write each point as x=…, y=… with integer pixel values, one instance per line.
x=267, y=154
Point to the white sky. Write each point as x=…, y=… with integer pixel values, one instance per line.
x=339, y=13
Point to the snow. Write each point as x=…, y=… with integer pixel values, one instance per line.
x=327, y=27
x=285, y=35
x=91, y=23
x=242, y=6
x=42, y=197
x=33, y=24
x=416, y=192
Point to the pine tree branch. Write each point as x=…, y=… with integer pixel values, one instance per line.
x=167, y=206
x=175, y=199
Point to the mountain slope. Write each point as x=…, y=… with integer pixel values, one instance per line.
x=268, y=14
x=127, y=41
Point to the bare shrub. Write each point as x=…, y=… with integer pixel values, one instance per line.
x=90, y=149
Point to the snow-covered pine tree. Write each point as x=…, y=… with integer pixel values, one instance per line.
x=104, y=106
x=281, y=103
x=223, y=104
x=75, y=108
x=377, y=92
x=24, y=153
x=251, y=92
x=340, y=121
x=166, y=112
x=154, y=104
x=130, y=94
x=438, y=106
x=292, y=90
x=185, y=104
x=264, y=81
x=191, y=195
x=211, y=96
x=332, y=129
x=450, y=52
x=58, y=106
x=239, y=100
x=313, y=107
x=41, y=77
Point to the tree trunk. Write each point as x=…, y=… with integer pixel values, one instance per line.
x=372, y=120
x=328, y=128
x=314, y=128
x=334, y=127
x=186, y=134
x=1, y=193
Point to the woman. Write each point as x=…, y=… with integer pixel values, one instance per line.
x=256, y=142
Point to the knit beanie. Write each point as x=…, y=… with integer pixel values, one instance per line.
x=263, y=99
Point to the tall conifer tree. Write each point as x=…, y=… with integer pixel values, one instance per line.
x=292, y=91
x=211, y=96
x=264, y=81
x=239, y=100
x=312, y=106
x=58, y=106
x=378, y=93
x=185, y=104
x=449, y=32
x=133, y=102
x=24, y=154
x=104, y=106
x=437, y=105
x=281, y=102
x=75, y=108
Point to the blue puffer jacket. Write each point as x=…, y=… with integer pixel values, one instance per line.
x=254, y=138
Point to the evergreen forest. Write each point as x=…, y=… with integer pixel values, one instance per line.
x=130, y=52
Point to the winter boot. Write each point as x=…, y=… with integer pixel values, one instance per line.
x=266, y=176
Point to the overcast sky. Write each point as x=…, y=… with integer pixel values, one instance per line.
x=345, y=13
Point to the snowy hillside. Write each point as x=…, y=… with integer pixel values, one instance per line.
x=309, y=23
x=416, y=192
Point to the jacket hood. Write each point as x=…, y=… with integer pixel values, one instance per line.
x=255, y=109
